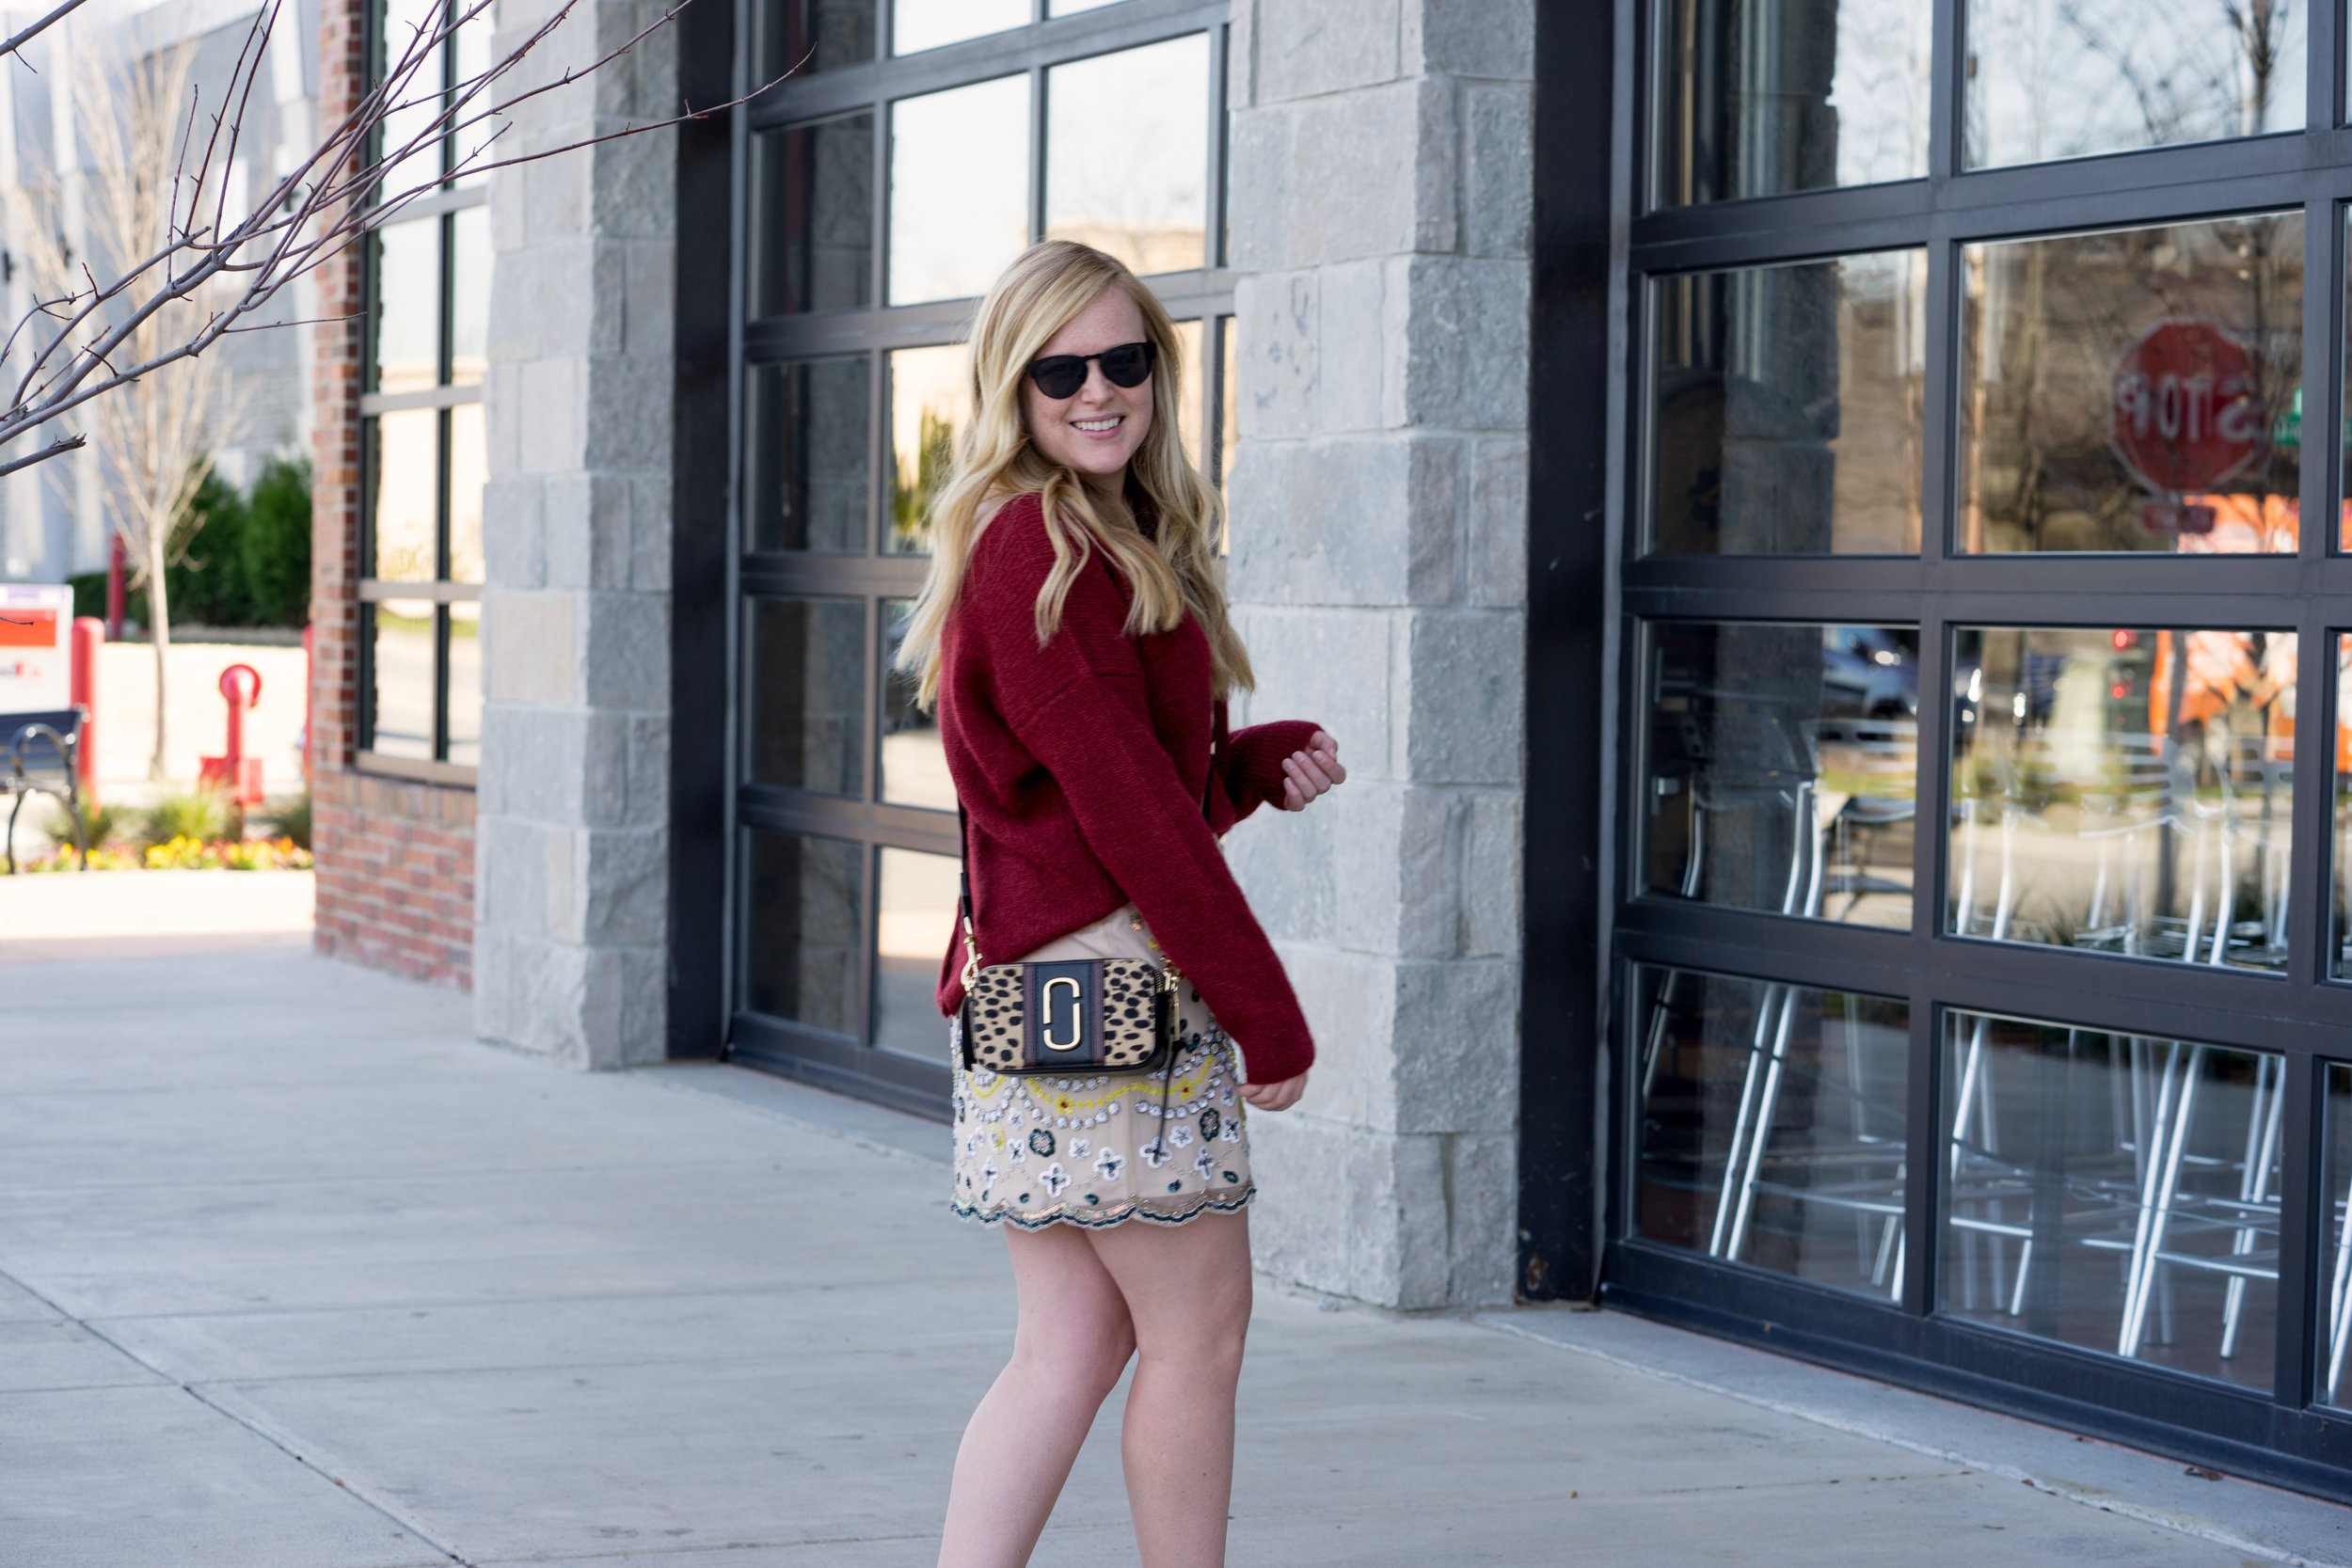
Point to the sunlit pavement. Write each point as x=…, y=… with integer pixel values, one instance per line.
x=293, y=1272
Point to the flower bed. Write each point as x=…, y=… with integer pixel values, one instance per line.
x=184, y=854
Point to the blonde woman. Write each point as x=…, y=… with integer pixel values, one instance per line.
x=1073, y=638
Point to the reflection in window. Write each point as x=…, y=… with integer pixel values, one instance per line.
x=813, y=196
x=931, y=398
x=913, y=924
x=913, y=761
x=1761, y=97
x=2065, y=78
x=1189, y=368
x=1787, y=408
x=916, y=25
x=2124, y=391
x=408, y=305
x=468, y=471
x=2126, y=791
x=959, y=189
x=401, y=663
x=1228, y=408
x=469, y=290
x=804, y=35
x=2115, y=1192
x=1772, y=1125
x=805, y=680
x=801, y=960
x=417, y=104
x=805, y=435
x=1782, y=767
x=464, y=683
x=2340, y=950
x=1141, y=195
x=2335, y=1256
x=403, y=493
x=1068, y=8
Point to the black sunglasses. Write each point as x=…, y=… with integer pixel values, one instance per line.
x=1061, y=375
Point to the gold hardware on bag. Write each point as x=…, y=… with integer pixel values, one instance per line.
x=1077, y=1024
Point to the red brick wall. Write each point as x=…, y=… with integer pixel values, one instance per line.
x=395, y=859
x=396, y=890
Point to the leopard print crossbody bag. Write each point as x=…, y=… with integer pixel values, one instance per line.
x=1068, y=1015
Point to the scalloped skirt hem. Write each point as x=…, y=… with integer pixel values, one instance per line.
x=1103, y=1219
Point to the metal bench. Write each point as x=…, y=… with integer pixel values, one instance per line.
x=43, y=749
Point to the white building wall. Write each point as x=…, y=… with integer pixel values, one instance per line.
x=1380, y=201
x=572, y=840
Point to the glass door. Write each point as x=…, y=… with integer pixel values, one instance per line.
x=1981, y=941
x=911, y=148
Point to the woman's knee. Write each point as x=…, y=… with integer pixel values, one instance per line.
x=1086, y=1350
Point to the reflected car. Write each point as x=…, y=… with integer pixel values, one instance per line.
x=1868, y=673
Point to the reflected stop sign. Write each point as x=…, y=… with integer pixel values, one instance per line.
x=2186, y=413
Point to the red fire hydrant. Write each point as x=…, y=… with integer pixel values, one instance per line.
x=239, y=774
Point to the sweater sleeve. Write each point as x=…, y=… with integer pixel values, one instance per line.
x=1251, y=765
x=1077, y=705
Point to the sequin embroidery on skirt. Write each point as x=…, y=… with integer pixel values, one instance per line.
x=1095, y=1149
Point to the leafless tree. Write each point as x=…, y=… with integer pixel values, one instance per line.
x=212, y=275
x=154, y=434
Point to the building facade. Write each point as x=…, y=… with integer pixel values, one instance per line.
x=1820, y=863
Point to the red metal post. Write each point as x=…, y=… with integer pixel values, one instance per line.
x=89, y=635
x=240, y=775
x=116, y=563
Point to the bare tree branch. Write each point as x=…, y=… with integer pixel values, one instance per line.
x=211, y=277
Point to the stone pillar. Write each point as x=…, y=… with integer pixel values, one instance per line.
x=1382, y=186
x=572, y=840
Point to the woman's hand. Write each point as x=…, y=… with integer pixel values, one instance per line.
x=1275, y=1097
x=1305, y=775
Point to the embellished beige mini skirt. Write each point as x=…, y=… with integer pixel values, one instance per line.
x=1104, y=1148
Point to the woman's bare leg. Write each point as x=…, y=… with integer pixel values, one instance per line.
x=1187, y=1293
x=1073, y=1343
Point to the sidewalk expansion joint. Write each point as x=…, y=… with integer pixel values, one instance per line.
x=273, y=1439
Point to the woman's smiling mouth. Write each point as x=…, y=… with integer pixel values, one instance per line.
x=1099, y=427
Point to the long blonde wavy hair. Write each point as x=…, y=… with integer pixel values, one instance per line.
x=1171, y=571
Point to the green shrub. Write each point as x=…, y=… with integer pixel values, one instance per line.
x=277, y=545
x=247, y=563
x=208, y=583
x=290, y=818
x=199, y=815
x=103, y=824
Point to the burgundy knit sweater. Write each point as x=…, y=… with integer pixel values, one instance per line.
x=1082, y=765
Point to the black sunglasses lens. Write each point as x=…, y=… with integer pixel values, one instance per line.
x=1061, y=375
x=1128, y=365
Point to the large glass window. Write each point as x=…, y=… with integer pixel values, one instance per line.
x=1772, y=1126
x=1786, y=408
x=1980, y=879
x=1761, y=97
x=881, y=200
x=2123, y=390
x=424, y=445
x=2062, y=78
x=2116, y=1192
x=1143, y=194
x=2125, y=791
x=1782, y=769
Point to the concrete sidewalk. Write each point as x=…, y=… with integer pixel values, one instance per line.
x=297, y=1274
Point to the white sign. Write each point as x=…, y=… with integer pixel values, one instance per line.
x=36, y=648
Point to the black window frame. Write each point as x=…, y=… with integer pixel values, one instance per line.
x=1591, y=593
x=440, y=207
x=852, y=1064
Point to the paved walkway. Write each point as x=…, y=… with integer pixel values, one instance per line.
x=292, y=1272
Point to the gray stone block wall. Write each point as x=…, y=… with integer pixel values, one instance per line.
x=1381, y=189
x=572, y=835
